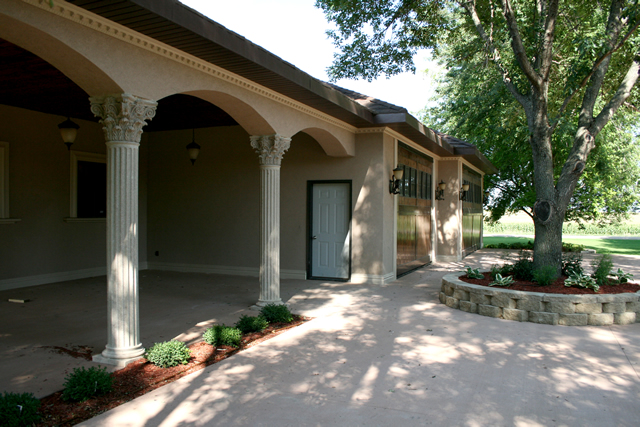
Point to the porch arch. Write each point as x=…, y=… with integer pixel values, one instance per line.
x=246, y=116
x=77, y=67
x=331, y=145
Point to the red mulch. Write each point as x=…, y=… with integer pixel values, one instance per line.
x=556, y=287
x=141, y=377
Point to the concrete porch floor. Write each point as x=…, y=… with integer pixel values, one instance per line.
x=373, y=355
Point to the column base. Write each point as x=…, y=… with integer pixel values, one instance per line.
x=119, y=357
x=258, y=306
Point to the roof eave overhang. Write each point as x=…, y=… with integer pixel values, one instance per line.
x=407, y=125
x=249, y=57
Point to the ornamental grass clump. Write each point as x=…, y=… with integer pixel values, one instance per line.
x=248, y=324
x=545, y=275
x=82, y=384
x=222, y=335
x=276, y=313
x=602, y=268
x=19, y=409
x=168, y=354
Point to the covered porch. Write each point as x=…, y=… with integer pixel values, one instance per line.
x=62, y=324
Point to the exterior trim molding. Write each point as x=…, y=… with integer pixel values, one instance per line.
x=97, y=23
x=373, y=279
x=222, y=269
x=448, y=258
x=43, y=279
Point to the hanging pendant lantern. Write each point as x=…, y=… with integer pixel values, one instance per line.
x=68, y=131
x=193, y=149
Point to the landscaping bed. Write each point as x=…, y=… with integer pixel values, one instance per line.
x=535, y=305
x=141, y=377
x=557, y=287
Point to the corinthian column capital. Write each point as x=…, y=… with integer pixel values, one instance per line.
x=270, y=148
x=123, y=116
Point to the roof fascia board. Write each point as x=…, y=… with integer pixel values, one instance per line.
x=199, y=24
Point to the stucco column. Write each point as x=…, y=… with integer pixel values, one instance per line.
x=122, y=118
x=270, y=149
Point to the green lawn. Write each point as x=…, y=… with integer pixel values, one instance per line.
x=602, y=246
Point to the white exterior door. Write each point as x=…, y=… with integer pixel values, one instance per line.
x=330, y=255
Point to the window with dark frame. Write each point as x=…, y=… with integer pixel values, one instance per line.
x=91, y=189
x=415, y=184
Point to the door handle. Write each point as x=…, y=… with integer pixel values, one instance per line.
x=314, y=237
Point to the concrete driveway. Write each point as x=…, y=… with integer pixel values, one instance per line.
x=380, y=355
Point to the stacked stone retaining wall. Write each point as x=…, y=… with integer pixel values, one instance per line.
x=537, y=307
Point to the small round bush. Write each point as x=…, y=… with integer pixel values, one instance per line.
x=276, y=313
x=17, y=410
x=168, y=354
x=83, y=384
x=251, y=324
x=522, y=269
x=222, y=335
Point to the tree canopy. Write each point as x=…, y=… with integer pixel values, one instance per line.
x=564, y=67
x=474, y=105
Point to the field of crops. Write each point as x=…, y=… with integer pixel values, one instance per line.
x=521, y=224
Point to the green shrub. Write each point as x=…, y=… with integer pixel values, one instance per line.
x=602, y=267
x=222, y=335
x=502, y=281
x=168, y=354
x=572, y=264
x=572, y=247
x=622, y=277
x=276, y=313
x=82, y=384
x=545, y=275
x=251, y=324
x=474, y=273
x=583, y=281
x=17, y=410
x=522, y=269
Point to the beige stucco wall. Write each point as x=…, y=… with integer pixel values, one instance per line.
x=206, y=217
x=448, y=211
x=42, y=243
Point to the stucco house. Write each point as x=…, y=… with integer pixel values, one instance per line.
x=292, y=178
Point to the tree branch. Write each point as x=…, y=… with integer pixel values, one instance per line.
x=518, y=47
x=586, y=79
x=621, y=95
x=614, y=26
x=470, y=7
x=546, y=52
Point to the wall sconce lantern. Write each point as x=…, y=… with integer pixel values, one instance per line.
x=486, y=196
x=440, y=190
x=68, y=131
x=463, y=191
x=396, y=179
x=193, y=149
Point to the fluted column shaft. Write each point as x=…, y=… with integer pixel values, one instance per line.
x=122, y=118
x=270, y=149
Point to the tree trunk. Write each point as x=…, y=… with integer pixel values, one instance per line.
x=547, y=248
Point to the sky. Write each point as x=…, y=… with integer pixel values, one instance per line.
x=295, y=31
